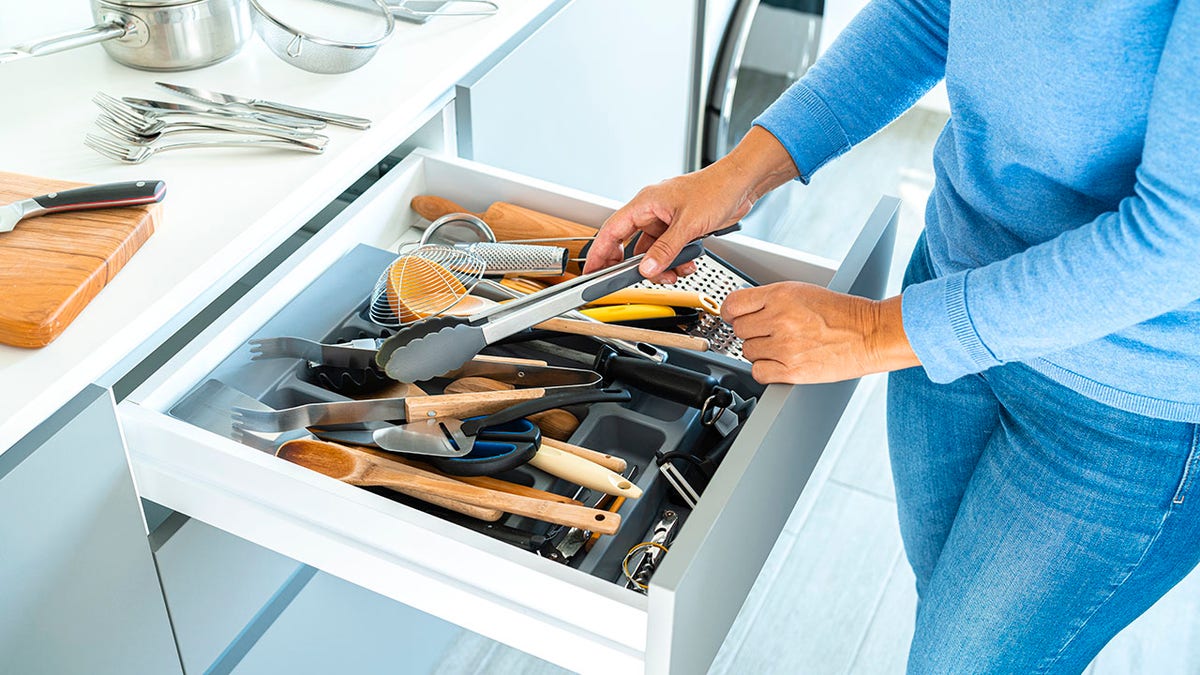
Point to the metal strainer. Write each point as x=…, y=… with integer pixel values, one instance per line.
x=423, y=281
x=324, y=53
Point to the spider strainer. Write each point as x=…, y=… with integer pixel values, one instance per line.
x=423, y=281
x=716, y=278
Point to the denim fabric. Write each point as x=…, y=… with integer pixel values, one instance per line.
x=1039, y=522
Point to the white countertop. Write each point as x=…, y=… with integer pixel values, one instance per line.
x=224, y=208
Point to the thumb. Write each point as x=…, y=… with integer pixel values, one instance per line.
x=663, y=252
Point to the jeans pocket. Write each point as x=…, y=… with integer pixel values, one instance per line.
x=1189, y=468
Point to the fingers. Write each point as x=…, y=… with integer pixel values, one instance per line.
x=767, y=371
x=743, y=302
x=608, y=247
x=663, y=251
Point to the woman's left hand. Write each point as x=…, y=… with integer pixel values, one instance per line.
x=802, y=333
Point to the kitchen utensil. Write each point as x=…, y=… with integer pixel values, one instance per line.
x=487, y=482
x=107, y=196
x=52, y=266
x=423, y=281
x=451, y=437
x=262, y=105
x=359, y=468
x=457, y=228
x=714, y=278
x=527, y=259
x=210, y=407
x=610, y=462
x=122, y=119
x=356, y=354
x=301, y=34
x=155, y=108
x=661, y=296
x=438, y=345
x=566, y=544
x=513, y=223
x=556, y=423
x=136, y=154
x=623, y=313
x=580, y=471
x=154, y=34
x=652, y=552
x=681, y=385
x=421, y=11
x=408, y=409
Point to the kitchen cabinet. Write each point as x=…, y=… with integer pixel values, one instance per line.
x=598, y=99
x=78, y=585
x=558, y=613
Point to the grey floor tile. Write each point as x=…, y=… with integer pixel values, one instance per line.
x=826, y=592
x=884, y=649
x=864, y=462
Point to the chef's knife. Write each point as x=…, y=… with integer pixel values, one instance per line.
x=106, y=196
x=284, y=121
x=218, y=98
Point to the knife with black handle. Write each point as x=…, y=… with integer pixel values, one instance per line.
x=106, y=196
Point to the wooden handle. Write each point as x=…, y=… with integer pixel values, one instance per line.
x=582, y=472
x=466, y=405
x=486, y=482
x=431, y=208
x=510, y=221
x=662, y=296
x=400, y=476
x=654, y=337
x=610, y=462
x=555, y=423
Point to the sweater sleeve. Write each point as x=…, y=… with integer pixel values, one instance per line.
x=888, y=57
x=1125, y=267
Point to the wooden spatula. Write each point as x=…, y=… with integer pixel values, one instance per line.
x=359, y=468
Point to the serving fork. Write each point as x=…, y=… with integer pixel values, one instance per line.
x=138, y=153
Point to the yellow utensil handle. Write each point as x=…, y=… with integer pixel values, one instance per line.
x=662, y=296
x=614, y=313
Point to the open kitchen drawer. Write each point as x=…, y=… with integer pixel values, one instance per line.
x=556, y=612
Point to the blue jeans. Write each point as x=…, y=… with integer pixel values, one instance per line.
x=1039, y=523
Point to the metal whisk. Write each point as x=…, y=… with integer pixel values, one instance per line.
x=423, y=281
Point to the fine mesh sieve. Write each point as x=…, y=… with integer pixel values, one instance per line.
x=716, y=278
x=351, y=34
x=523, y=259
x=423, y=281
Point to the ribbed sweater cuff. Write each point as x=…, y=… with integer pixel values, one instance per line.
x=938, y=324
x=806, y=127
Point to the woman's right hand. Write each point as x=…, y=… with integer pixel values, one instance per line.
x=676, y=211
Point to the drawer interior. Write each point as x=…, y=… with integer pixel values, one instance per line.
x=333, y=309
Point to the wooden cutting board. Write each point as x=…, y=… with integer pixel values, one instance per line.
x=52, y=266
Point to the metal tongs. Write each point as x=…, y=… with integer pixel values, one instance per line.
x=438, y=345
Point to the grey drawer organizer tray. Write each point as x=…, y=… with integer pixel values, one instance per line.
x=331, y=309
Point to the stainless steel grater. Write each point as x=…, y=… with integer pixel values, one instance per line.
x=715, y=278
x=524, y=259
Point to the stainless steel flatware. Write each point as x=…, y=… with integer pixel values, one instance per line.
x=109, y=195
x=144, y=124
x=155, y=107
x=144, y=135
x=222, y=99
x=136, y=154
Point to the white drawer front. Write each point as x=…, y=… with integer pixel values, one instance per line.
x=557, y=613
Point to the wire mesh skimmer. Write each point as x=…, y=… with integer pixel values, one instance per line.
x=424, y=281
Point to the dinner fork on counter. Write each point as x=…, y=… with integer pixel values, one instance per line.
x=124, y=131
x=141, y=120
x=138, y=153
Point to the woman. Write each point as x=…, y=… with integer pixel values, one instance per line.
x=1045, y=352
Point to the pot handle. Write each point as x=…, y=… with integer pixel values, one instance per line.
x=486, y=8
x=110, y=30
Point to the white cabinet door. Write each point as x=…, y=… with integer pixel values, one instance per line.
x=78, y=589
x=597, y=99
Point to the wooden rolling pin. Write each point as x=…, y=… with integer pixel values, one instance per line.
x=509, y=221
x=353, y=466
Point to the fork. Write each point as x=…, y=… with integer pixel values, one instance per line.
x=146, y=121
x=136, y=154
x=357, y=354
x=142, y=135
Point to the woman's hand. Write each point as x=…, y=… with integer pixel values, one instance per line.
x=676, y=211
x=803, y=334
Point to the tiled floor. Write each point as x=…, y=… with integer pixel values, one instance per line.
x=836, y=595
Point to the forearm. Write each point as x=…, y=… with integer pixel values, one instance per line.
x=757, y=165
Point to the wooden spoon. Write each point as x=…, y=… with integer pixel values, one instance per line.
x=353, y=466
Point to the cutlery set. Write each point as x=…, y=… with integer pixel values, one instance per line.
x=136, y=129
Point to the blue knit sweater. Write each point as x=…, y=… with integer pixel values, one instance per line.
x=1064, y=225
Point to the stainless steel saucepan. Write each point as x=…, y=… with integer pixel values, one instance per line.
x=155, y=34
